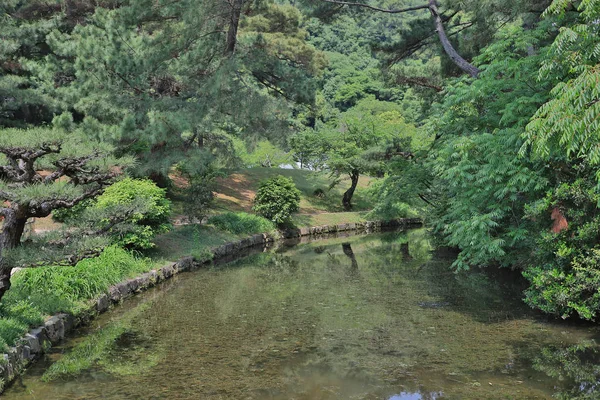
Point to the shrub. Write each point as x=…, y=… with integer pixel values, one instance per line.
x=241, y=223
x=151, y=220
x=276, y=199
x=199, y=196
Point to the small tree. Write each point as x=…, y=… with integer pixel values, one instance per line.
x=364, y=139
x=46, y=169
x=276, y=199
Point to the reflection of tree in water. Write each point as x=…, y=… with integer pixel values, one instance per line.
x=348, y=251
x=577, y=365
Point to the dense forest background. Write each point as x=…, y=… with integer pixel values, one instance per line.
x=481, y=116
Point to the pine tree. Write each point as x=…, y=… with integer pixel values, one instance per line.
x=42, y=170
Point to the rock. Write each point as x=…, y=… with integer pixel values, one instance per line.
x=68, y=321
x=114, y=294
x=185, y=264
x=40, y=335
x=102, y=303
x=342, y=227
x=26, y=354
x=33, y=343
x=55, y=329
x=167, y=271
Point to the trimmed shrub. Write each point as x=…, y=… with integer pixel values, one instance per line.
x=151, y=220
x=276, y=199
x=241, y=223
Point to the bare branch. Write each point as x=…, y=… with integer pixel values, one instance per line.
x=398, y=11
x=448, y=48
x=419, y=81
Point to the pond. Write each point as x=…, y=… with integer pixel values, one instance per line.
x=376, y=316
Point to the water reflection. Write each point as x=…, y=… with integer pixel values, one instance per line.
x=577, y=365
x=353, y=318
x=417, y=396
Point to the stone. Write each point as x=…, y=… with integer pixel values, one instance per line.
x=133, y=285
x=55, y=329
x=33, y=343
x=167, y=271
x=185, y=264
x=40, y=335
x=342, y=227
x=26, y=353
x=102, y=303
x=257, y=239
x=114, y=294
x=68, y=321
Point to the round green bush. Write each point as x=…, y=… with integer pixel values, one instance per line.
x=151, y=220
x=276, y=199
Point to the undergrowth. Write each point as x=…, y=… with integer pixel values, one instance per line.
x=241, y=223
x=39, y=292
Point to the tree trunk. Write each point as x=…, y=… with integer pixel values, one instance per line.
x=10, y=237
x=347, y=199
x=448, y=48
x=236, y=12
x=347, y=248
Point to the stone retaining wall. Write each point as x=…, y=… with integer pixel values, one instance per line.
x=40, y=339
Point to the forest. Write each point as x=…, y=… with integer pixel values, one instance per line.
x=480, y=117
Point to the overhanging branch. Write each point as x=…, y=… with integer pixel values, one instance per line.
x=398, y=11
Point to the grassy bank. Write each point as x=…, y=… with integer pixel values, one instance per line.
x=39, y=293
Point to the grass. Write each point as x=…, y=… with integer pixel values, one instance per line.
x=241, y=223
x=40, y=292
x=329, y=218
x=236, y=192
x=186, y=240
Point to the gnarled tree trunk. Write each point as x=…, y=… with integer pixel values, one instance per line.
x=347, y=199
x=13, y=227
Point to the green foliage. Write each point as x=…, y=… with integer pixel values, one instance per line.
x=362, y=141
x=565, y=272
x=568, y=126
x=143, y=225
x=474, y=186
x=39, y=292
x=387, y=205
x=65, y=289
x=11, y=329
x=241, y=223
x=276, y=199
x=67, y=215
x=262, y=154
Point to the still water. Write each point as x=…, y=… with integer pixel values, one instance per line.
x=364, y=317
